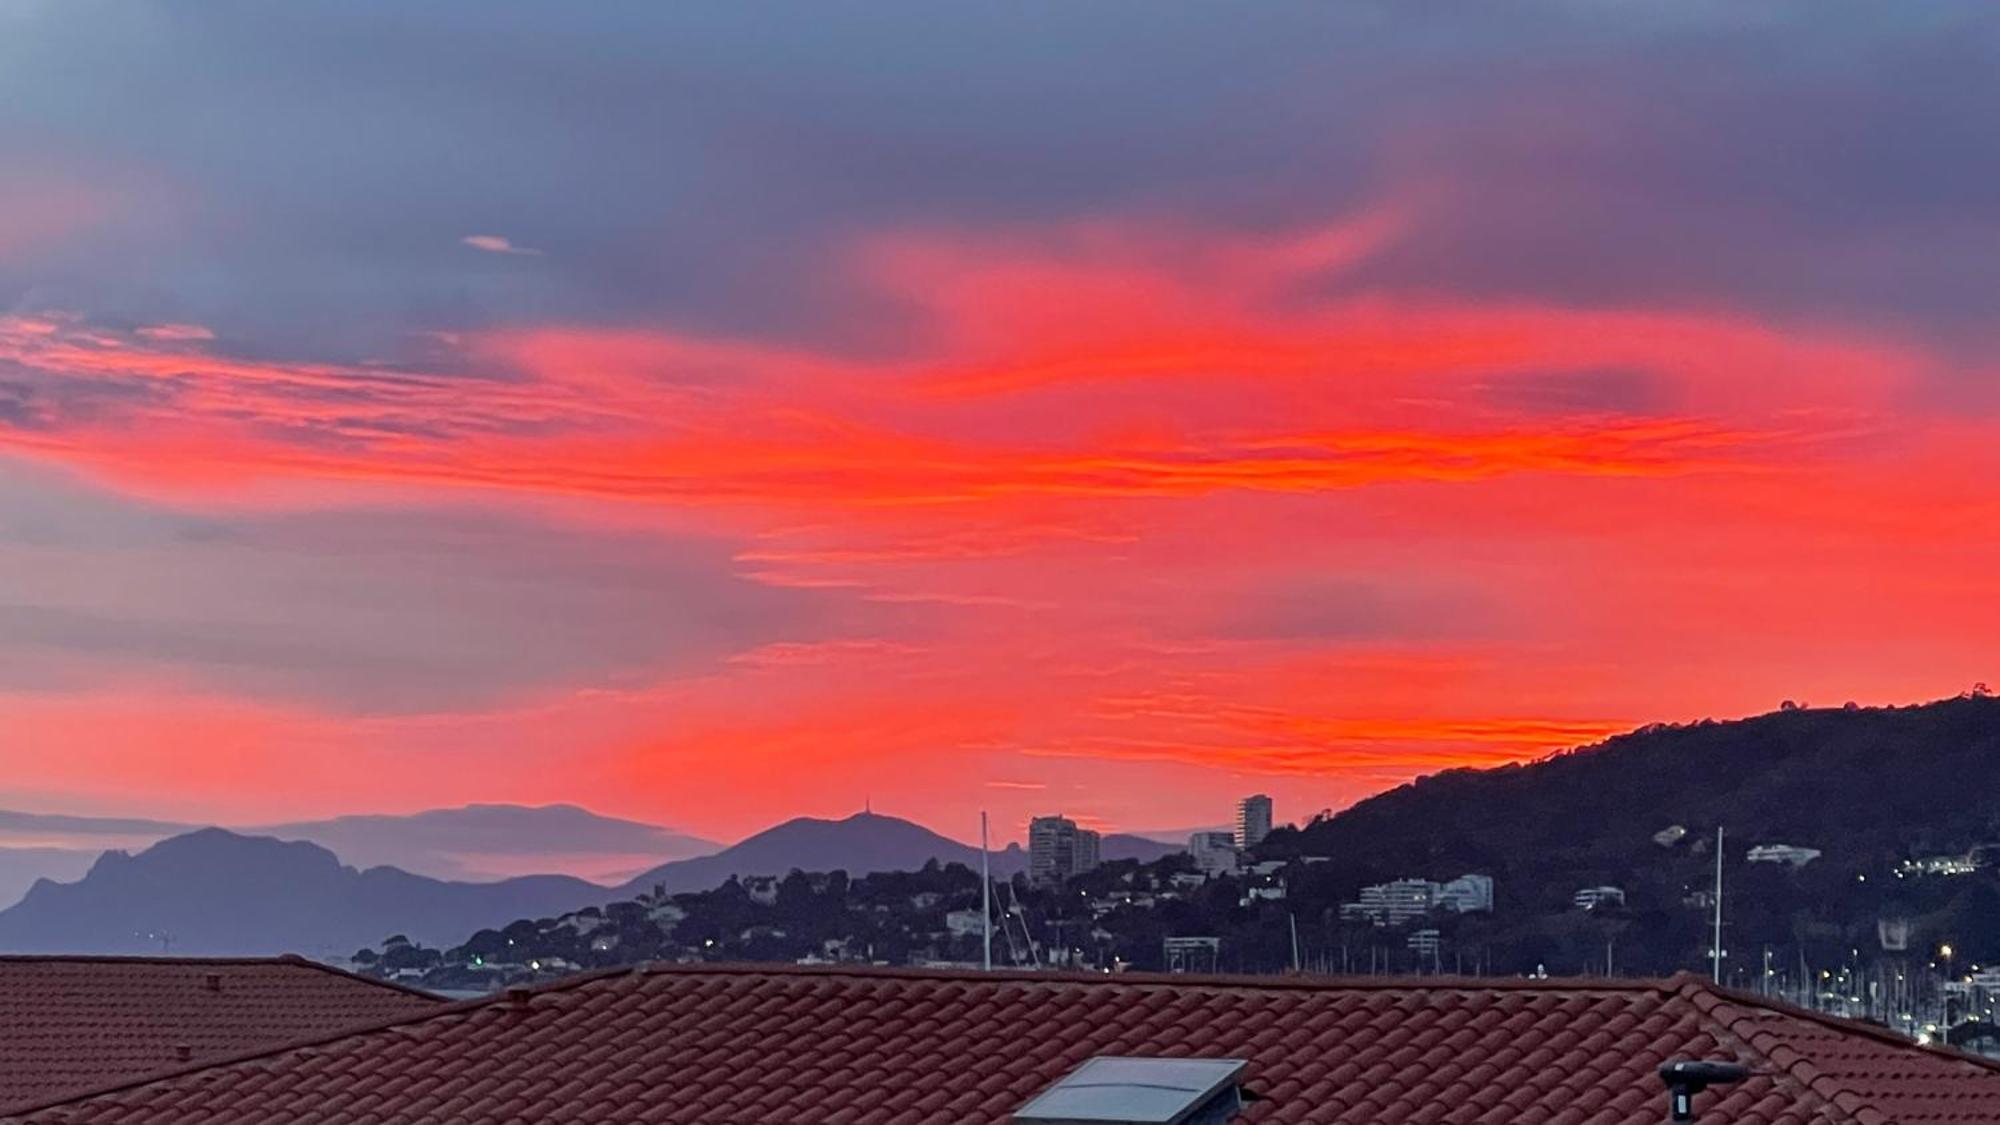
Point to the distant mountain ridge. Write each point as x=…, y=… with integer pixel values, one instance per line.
x=22, y=868
x=213, y=891
x=861, y=844
x=63, y=846
x=64, y=824
x=478, y=842
x=489, y=841
x=1869, y=787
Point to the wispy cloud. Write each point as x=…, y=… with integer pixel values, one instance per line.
x=497, y=244
x=172, y=333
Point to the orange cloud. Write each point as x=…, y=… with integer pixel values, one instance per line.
x=1095, y=440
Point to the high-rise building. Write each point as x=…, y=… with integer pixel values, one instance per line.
x=1058, y=849
x=1253, y=820
x=1088, y=853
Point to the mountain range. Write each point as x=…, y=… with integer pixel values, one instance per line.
x=1870, y=788
x=497, y=841
x=860, y=844
x=213, y=891
x=55, y=846
x=481, y=842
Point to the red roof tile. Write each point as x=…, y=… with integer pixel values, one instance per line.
x=78, y=1023
x=758, y=1044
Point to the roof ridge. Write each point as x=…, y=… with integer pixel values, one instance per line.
x=1279, y=982
x=442, y=1009
x=1811, y=1080
x=261, y=962
x=150, y=959
x=1844, y=1024
x=349, y=974
x=1689, y=985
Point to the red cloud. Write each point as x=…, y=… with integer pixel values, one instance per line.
x=1096, y=436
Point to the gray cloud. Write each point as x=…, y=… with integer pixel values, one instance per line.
x=1838, y=166
x=364, y=610
x=306, y=169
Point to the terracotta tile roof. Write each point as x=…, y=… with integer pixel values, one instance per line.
x=759, y=1044
x=77, y=1023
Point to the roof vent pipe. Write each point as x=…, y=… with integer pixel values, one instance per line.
x=1686, y=1078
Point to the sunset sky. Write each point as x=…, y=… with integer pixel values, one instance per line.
x=711, y=414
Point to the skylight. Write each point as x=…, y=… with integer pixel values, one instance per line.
x=1140, y=1091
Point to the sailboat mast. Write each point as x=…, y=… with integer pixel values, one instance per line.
x=985, y=899
x=1715, y=954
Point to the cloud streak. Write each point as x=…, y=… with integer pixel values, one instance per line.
x=498, y=244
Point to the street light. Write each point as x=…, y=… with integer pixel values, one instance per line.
x=1944, y=997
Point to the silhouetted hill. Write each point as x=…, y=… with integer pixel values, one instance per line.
x=22, y=868
x=61, y=846
x=861, y=844
x=1145, y=849
x=215, y=892
x=1868, y=787
x=472, y=843
x=493, y=841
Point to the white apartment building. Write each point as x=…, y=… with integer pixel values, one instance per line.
x=1790, y=854
x=1591, y=898
x=1399, y=902
x=1403, y=901
x=1253, y=820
